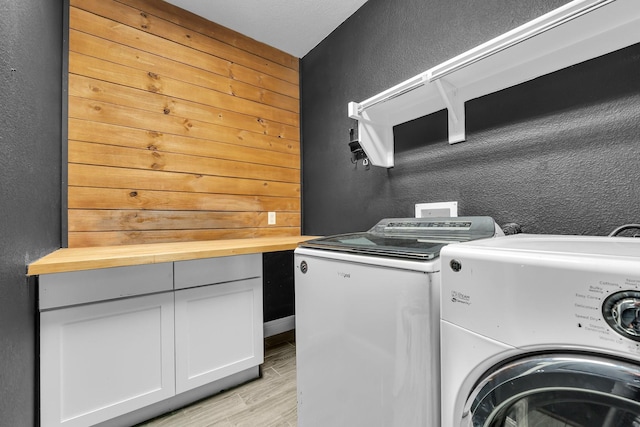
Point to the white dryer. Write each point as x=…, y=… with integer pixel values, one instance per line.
x=541, y=330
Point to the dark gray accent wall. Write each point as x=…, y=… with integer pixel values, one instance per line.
x=30, y=146
x=278, y=298
x=559, y=154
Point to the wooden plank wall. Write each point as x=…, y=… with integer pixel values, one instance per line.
x=179, y=129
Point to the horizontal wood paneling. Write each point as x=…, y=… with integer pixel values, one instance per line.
x=140, y=18
x=279, y=124
x=81, y=175
x=196, y=23
x=179, y=129
x=110, y=220
x=133, y=198
x=87, y=22
x=94, y=111
x=78, y=240
x=133, y=158
x=285, y=155
x=137, y=65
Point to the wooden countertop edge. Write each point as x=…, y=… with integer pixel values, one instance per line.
x=77, y=259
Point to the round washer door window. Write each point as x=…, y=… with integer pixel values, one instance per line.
x=557, y=391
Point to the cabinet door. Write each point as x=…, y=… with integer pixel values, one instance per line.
x=218, y=331
x=102, y=360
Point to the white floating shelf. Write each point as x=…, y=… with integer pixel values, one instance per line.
x=579, y=31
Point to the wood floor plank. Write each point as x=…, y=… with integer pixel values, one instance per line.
x=281, y=359
x=270, y=401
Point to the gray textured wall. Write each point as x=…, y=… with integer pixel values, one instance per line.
x=560, y=154
x=30, y=145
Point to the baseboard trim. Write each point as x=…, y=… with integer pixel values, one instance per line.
x=278, y=326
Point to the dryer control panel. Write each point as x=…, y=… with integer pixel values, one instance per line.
x=536, y=292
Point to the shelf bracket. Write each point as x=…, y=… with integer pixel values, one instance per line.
x=455, y=108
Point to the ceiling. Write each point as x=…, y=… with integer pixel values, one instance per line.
x=294, y=27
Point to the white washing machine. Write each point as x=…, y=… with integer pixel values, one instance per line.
x=367, y=322
x=541, y=331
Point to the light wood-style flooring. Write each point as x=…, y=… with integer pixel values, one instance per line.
x=269, y=401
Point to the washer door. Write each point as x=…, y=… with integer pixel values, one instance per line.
x=557, y=391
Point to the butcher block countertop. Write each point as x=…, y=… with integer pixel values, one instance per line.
x=76, y=259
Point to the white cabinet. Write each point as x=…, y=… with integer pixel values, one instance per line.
x=102, y=360
x=116, y=340
x=218, y=331
x=219, y=328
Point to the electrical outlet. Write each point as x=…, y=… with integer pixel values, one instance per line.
x=271, y=218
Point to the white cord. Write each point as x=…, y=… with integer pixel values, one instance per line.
x=622, y=228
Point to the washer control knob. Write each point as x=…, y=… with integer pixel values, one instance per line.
x=304, y=267
x=622, y=312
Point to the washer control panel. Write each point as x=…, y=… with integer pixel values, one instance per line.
x=621, y=311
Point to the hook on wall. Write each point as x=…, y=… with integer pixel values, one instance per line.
x=357, y=153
